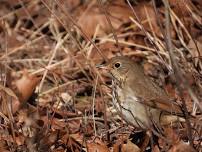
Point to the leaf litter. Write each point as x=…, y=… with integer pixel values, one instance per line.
x=52, y=96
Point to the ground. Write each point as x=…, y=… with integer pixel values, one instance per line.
x=54, y=96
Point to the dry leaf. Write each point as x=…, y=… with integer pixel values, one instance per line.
x=182, y=147
x=180, y=8
x=118, y=15
x=9, y=103
x=26, y=86
x=130, y=147
x=170, y=135
x=94, y=147
x=8, y=91
x=147, y=16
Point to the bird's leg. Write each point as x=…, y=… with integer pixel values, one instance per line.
x=146, y=140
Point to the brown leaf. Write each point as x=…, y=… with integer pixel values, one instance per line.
x=180, y=8
x=4, y=146
x=83, y=104
x=156, y=149
x=9, y=103
x=78, y=137
x=55, y=123
x=8, y=91
x=118, y=14
x=182, y=147
x=130, y=147
x=26, y=86
x=170, y=135
x=94, y=147
x=147, y=16
x=195, y=53
x=20, y=140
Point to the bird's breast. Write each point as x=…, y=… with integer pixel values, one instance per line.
x=134, y=111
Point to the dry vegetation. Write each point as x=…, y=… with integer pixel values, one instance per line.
x=54, y=98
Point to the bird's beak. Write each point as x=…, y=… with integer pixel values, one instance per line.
x=105, y=67
x=101, y=66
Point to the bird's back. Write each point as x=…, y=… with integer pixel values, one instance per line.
x=149, y=92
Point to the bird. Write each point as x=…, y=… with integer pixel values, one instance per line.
x=138, y=99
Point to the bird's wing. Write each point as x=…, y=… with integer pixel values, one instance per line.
x=166, y=105
x=150, y=93
x=156, y=98
x=161, y=100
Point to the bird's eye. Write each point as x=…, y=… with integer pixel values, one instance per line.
x=117, y=65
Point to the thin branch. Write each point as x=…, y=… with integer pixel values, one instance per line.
x=177, y=72
x=80, y=29
x=93, y=106
x=102, y=7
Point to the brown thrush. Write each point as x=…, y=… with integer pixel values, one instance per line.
x=139, y=100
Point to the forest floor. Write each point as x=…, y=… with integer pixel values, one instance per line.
x=54, y=98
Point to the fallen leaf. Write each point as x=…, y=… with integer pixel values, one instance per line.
x=130, y=147
x=118, y=14
x=26, y=86
x=9, y=103
x=8, y=91
x=182, y=147
x=94, y=147
x=180, y=7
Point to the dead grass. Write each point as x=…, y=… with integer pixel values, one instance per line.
x=53, y=98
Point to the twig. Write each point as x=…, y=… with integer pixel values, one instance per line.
x=102, y=7
x=93, y=106
x=176, y=69
x=151, y=40
x=84, y=34
x=59, y=43
x=67, y=29
x=30, y=43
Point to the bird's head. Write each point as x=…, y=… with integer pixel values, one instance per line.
x=119, y=67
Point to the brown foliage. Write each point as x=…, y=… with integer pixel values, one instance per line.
x=54, y=98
